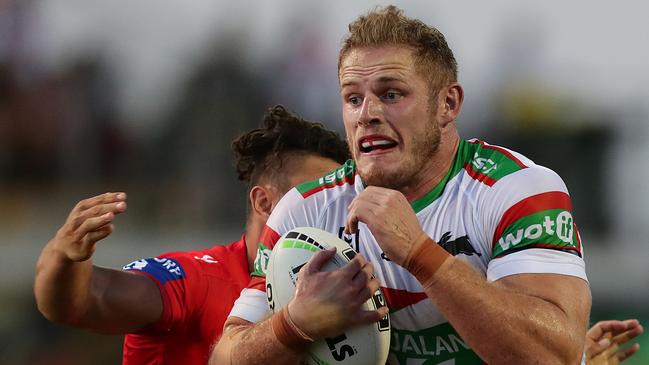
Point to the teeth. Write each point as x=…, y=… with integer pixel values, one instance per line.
x=379, y=142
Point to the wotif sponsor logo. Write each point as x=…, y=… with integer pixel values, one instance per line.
x=562, y=227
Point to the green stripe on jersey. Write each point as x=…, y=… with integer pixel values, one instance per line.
x=552, y=228
x=461, y=156
x=261, y=261
x=336, y=177
x=433, y=345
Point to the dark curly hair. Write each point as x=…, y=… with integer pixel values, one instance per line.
x=261, y=152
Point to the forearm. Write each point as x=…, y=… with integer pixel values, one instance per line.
x=506, y=325
x=62, y=286
x=98, y=299
x=246, y=343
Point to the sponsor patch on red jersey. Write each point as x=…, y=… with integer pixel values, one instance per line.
x=162, y=269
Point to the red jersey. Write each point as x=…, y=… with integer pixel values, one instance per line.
x=198, y=290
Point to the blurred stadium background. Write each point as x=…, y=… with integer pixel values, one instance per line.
x=145, y=96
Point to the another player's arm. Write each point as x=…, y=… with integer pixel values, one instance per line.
x=325, y=304
x=71, y=290
x=245, y=342
x=518, y=319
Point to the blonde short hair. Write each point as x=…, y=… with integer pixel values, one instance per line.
x=389, y=26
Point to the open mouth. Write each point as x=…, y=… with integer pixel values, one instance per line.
x=376, y=143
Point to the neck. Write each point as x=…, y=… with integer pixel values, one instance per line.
x=434, y=170
x=251, y=236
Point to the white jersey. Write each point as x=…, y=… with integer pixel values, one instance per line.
x=494, y=209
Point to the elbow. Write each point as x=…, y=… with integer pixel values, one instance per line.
x=54, y=313
x=56, y=316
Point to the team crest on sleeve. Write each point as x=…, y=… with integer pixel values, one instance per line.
x=162, y=269
x=261, y=261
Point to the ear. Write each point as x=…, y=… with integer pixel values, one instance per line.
x=450, y=101
x=261, y=201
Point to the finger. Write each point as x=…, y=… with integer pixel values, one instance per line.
x=611, y=349
x=613, y=326
x=595, y=332
x=369, y=269
x=628, y=352
x=353, y=267
x=366, y=271
x=351, y=226
x=368, y=317
x=597, y=347
x=100, y=199
x=627, y=335
x=100, y=233
x=93, y=224
x=361, y=281
x=97, y=210
x=105, y=199
x=78, y=218
x=371, y=287
x=317, y=261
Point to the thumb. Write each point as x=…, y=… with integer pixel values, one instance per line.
x=597, y=347
x=318, y=260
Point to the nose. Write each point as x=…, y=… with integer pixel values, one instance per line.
x=371, y=111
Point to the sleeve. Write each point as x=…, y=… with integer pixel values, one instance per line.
x=531, y=227
x=171, y=275
x=292, y=211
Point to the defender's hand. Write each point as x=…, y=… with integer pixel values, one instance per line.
x=604, y=339
x=327, y=303
x=389, y=217
x=89, y=221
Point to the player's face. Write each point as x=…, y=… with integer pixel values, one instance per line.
x=389, y=119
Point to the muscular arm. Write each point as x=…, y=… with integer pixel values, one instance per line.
x=519, y=319
x=71, y=290
x=244, y=342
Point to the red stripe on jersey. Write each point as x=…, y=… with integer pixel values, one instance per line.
x=345, y=180
x=501, y=150
x=530, y=205
x=544, y=245
x=479, y=176
x=269, y=237
x=257, y=282
x=398, y=298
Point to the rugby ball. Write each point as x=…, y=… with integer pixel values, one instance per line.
x=364, y=345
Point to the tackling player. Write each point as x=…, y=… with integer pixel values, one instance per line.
x=474, y=245
x=173, y=306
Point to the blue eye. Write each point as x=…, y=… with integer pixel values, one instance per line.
x=392, y=95
x=355, y=100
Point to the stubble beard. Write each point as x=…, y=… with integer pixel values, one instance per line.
x=422, y=150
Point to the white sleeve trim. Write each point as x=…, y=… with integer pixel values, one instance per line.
x=251, y=306
x=537, y=261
